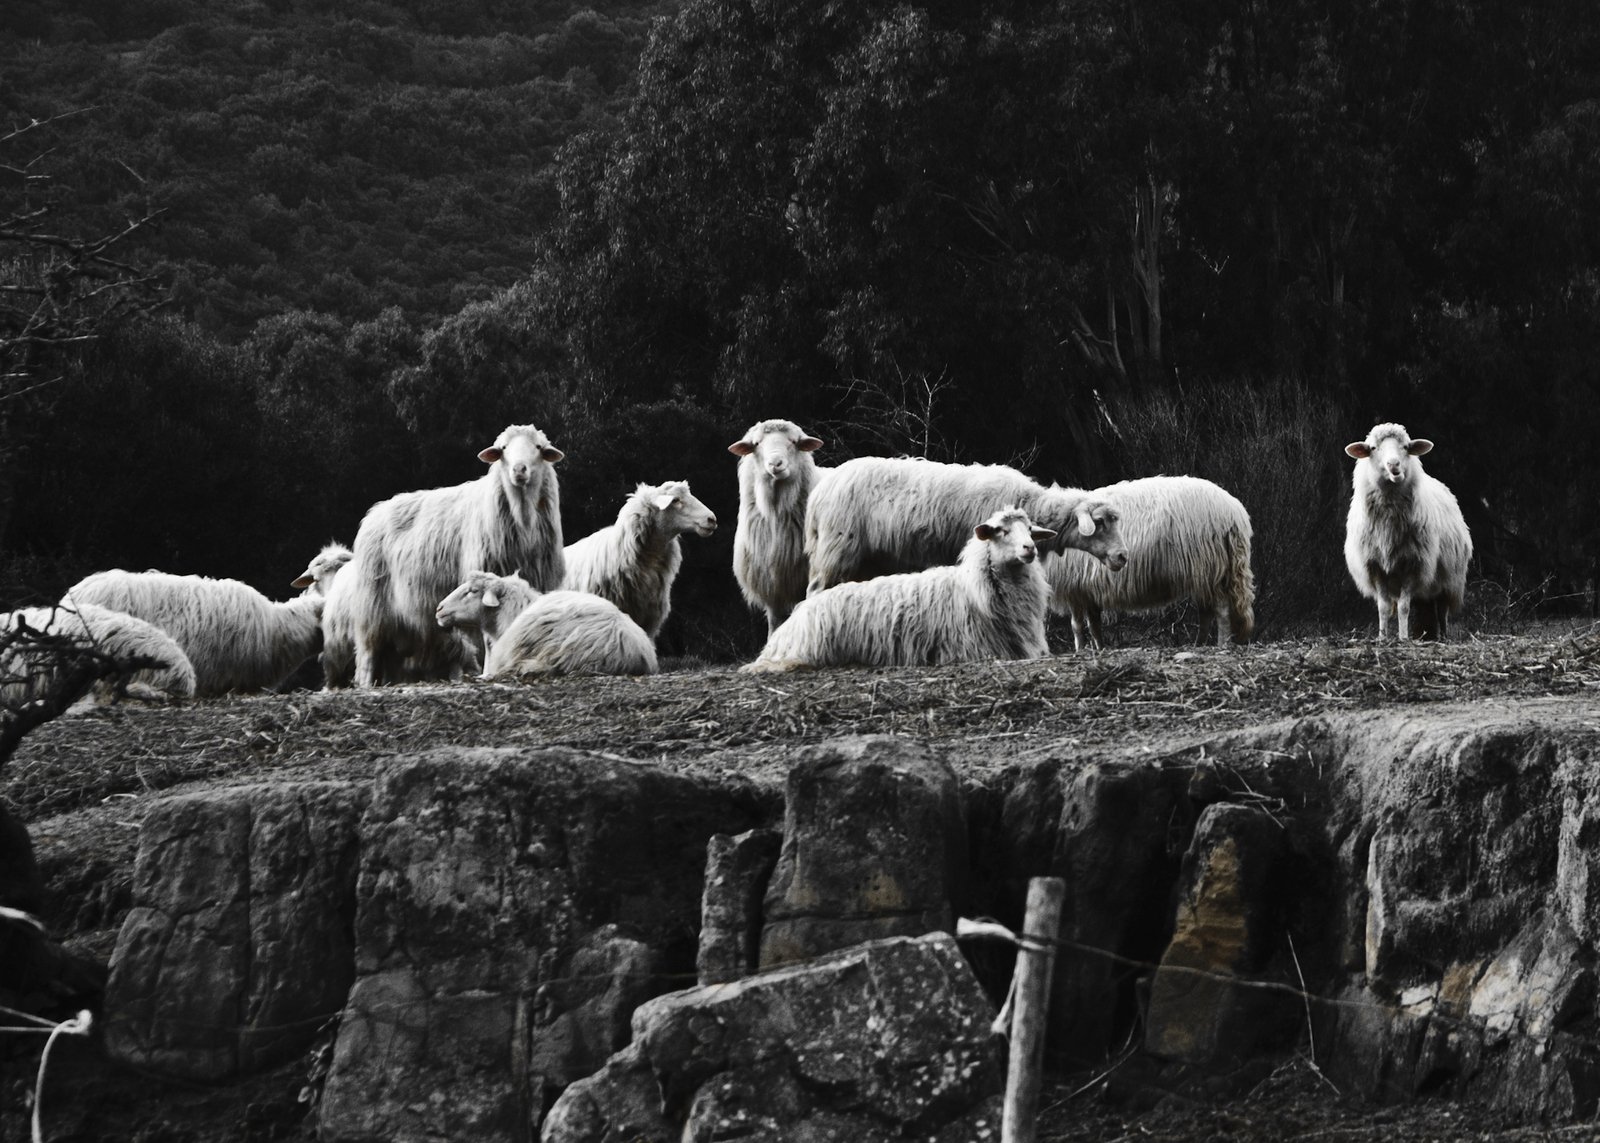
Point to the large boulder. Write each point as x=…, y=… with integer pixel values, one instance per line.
x=238, y=945
x=883, y=1041
x=874, y=845
x=514, y=907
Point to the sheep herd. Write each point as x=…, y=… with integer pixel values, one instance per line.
x=876, y=562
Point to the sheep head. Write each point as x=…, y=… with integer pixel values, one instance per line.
x=464, y=607
x=1389, y=448
x=521, y=449
x=1097, y=533
x=776, y=446
x=680, y=511
x=1015, y=536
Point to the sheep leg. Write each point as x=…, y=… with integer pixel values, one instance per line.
x=776, y=617
x=1385, y=606
x=1403, y=617
x=365, y=676
x=1218, y=615
x=1441, y=626
x=1080, y=626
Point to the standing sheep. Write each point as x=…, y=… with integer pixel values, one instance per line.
x=1405, y=541
x=634, y=562
x=880, y=515
x=777, y=477
x=28, y=671
x=1186, y=539
x=412, y=549
x=989, y=605
x=237, y=638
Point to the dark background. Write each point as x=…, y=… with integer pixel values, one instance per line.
x=1098, y=240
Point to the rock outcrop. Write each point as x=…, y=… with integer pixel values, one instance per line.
x=513, y=908
x=238, y=946
x=883, y=1041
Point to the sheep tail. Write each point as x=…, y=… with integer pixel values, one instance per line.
x=1241, y=586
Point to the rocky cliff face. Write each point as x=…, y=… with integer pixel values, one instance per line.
x=1411, y=892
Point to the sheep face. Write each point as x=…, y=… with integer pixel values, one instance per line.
x=680, y=511
x=1389, y=449
x=465, y=606
x=522, y=450
x=776, y=446
x=1014, y=538
x=1098, y=534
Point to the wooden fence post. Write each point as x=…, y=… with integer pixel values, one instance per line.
x=1030, y=1014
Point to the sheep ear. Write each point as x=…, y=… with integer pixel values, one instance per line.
x=985, y=532
x=1085, y=522
x=302, y=581
x=741, y=448
x=808, y=444
x=491, y=597
x=1358, y=449
x=552, y=454
x=1420, y=447
x=664, y=501
x=490, y=455
x=1040, y=535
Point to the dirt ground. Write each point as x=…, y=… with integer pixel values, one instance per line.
x=81, y=785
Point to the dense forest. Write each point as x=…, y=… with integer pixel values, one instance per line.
x=1095, y=238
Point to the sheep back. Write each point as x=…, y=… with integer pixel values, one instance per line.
x=26, y=674
x=571, y=633
x=1186, y=538
x=971, y=611
x=883, y=515
x=236, y=638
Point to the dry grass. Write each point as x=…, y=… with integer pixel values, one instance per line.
x=718, y=718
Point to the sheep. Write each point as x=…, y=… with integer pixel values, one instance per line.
x=236, y=638
x=879, y=515
x=991, y=604
x=1405, y=539
x=777, y=476
x=1186, y=539
x=28, y=671
x=485, y=602
x=412, y=549
x=319, y=573
x=634, y=562
x=527, y=632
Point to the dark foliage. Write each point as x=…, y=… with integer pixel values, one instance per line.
x=1096, y=239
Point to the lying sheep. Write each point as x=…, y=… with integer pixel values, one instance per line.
x=634, y=562
x=1405, y=542
x=236, y=638
x=319, y=573
x=552, y=633
x=485, y=603
x=989, y=605
x=1186, y=539
x=412, y=549
x=777, y=477
x=879, y=515
x=29, y=671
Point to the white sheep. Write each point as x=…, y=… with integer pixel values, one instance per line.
x=571, y=633
x=634, y=561
x=28, y=671
x=989, y=605
x=777, y=477
x=319, y=573
x=485, y=603
x=237, y=638
x=412, y=549
x=880, y=515
x=1186, y=539
x=1405, y=540
x=552, y=633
